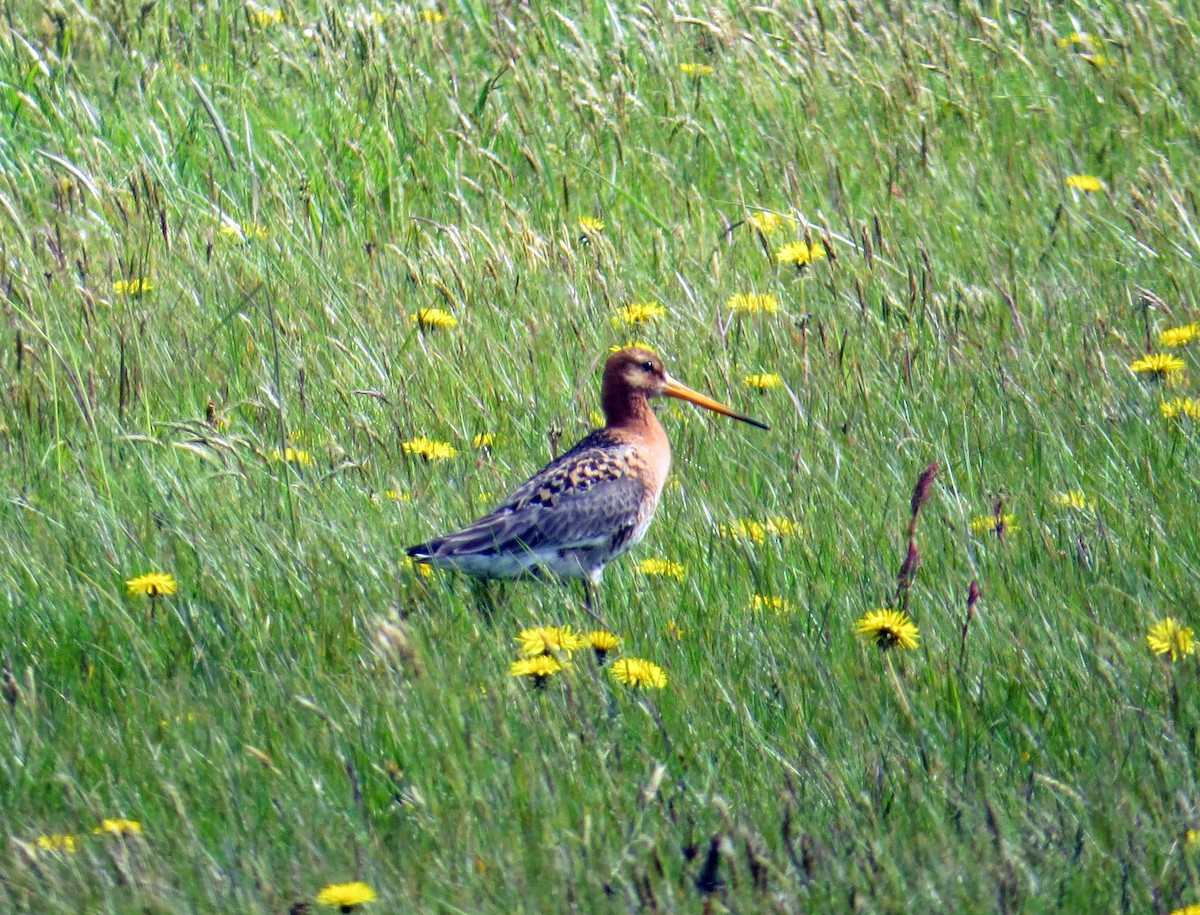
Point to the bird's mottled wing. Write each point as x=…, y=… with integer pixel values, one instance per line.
x=589, y=496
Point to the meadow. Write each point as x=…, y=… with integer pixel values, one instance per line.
x=286, y=289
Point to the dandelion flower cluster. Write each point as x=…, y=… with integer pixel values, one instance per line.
x=1160, y=365
x=346, y=896
x=429, y=449
x=590, y=227
x=57, y=843
x=1169, y=637
x=424, y=569
x=758, y=531
x=602, y=643
x=433, y=319
x=1076, y=41
x=296, y=456
x=638, y=313
x=753, y=303
x=639, y=673
x=1074, y=499
x=539, y=669
x=152, y=584
x=800, y=253
x=136, y=286
x=244, y=231
x=781, y=527
x=993, y=524
x=1089, y=184
x=662, y=567
x=763, y=382
x=1179, y=336
x=767, y=223
x=548, y=640
x=888, y=629
x=760, y=602
x=118, y=827
x=263, y=16
x=691, y=69
x=1188, y=407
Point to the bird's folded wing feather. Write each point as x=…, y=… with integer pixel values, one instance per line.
x=586, y=498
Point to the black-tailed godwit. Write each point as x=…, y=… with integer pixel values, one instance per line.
x=591, y=504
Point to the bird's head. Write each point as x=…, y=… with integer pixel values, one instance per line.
x=634, y=371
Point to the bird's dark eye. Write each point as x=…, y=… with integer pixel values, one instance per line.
x=649, y=367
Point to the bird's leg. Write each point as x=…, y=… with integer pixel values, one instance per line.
x=589, y=602
x=485, y=598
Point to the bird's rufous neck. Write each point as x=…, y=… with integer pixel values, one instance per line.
x=627, y=409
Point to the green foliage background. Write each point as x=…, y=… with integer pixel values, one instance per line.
x=974, y=311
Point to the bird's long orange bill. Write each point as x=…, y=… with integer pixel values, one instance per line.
x=683, y=392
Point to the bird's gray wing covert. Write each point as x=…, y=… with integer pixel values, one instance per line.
x=586, y=498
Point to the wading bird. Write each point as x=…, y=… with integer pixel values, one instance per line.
x=590, y=505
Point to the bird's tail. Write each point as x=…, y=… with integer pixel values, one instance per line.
x=422, y=551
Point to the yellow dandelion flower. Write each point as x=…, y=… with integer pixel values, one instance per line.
x=1169, y=637
x=888, y=629
x=601, y=642
x=296, y=456
x=761, y=602
x=152, y=584
x=1179, y=336
x=1099, y=61
x=1087, y=183
x=483, y=440
x=800, y=253
x=638, y=313
x=1073, y=499
x=1076, y=41
x=346, y=896
x=768, y=223
x=639, y=673
x=57, y=843
x=244, y=231
x=1180, y=407
x=263, y=16
x=549, y=640
x=433, y=17
x=763, y=382
x=136, y=286
x=781, y=527
x=433, y=319
x=539, y=668
x=1161, y=365
x=628, y=344
x=990, y=524
x=752, y=303
x=118, y=827
x=429, y=449
x=1187, y=910
x=696, y=70
x=590, y=227
x=424, y=569
x=1191, y=839
x=744, y=529
x=395, y=495
x=662, y=567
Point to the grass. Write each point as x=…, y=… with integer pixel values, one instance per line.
x=308, y=709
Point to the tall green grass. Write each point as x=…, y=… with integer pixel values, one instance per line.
x=271, y=738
